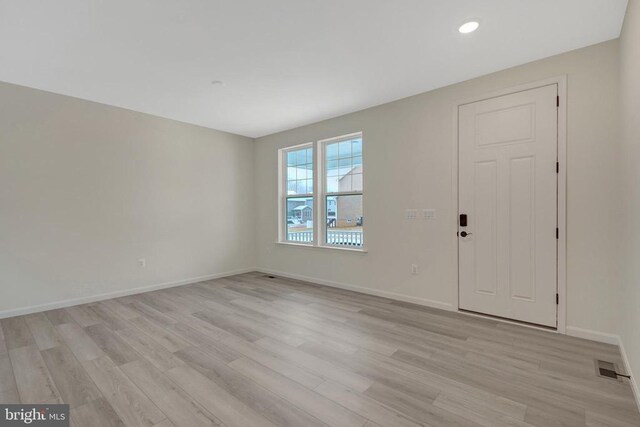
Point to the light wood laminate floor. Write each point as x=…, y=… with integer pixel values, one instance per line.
x=250, y=350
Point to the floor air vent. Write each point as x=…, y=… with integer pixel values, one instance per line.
x=607, y=370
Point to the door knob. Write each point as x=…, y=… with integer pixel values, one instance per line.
x=465, y=234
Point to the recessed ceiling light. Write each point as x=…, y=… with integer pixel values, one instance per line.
x=469, y=27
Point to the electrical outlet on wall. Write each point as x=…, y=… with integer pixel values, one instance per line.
x=414, y=269
x=142, y=263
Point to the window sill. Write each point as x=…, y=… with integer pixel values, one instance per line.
x=331, y=248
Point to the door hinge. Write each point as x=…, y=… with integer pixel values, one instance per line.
x=557, y=299
x=558, y=101
x=557, y=167
x=557, y=233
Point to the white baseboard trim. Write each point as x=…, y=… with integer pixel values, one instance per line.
x=589, y=334
x=375, y=292
x=627, y=368
x=115, y=294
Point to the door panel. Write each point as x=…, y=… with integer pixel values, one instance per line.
x=485, y=240
x=506, y=126
x=508, y=189
x=522, y=228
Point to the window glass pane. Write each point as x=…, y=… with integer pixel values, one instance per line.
x=344, y=164
x=344, y=221
x=345, y=149
x=301, y=187
x=356, y=147
x=332, y=184
x=301, y=157
x=291, y=158
x=299, y=219
x=339, y=170
x=332, y=167
x=299, y=170
x=356, y=182
x=332, y=151
x=345, y=183
x=309, y=186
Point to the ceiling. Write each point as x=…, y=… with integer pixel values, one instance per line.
x=283, y=63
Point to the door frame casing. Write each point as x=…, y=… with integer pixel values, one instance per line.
x=561, y=268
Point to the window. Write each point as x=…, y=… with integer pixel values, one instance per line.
x=339, y=201
x=299, y=199
x=343, y=191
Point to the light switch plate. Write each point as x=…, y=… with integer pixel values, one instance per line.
x=429, y=214
x=412, y=213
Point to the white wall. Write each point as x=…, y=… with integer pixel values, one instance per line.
x=87, y=189
x=629, y=220
x=409, y=150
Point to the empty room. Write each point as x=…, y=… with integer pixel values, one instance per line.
x=299, y=213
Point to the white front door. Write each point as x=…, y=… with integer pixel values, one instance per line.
x=508, y=186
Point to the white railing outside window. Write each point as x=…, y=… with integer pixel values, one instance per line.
x=344, y=238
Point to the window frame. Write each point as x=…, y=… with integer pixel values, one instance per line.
x=319, y=194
